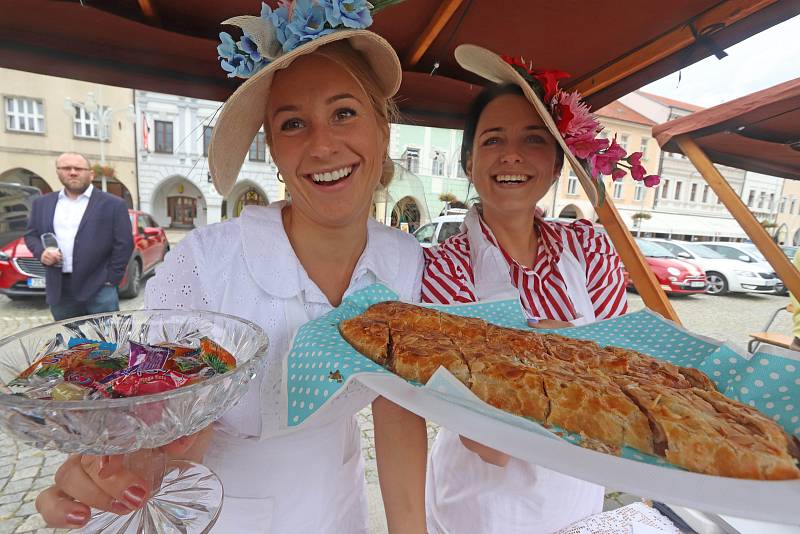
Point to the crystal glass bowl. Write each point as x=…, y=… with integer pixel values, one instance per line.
x=187, y=497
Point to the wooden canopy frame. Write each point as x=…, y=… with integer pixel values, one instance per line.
x=759, y=132
x=170, y=46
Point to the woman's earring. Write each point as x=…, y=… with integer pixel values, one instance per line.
x=280, y=178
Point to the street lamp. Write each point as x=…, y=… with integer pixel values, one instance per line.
x=103, y=116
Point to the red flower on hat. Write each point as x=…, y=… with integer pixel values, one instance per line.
x=549, y=80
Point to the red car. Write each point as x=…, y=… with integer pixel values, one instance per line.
x=673, y=274
x=22, y=275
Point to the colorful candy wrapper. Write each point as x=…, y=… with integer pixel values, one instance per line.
x=54, y=364
x=215, y=356
x=147, y=357
x=148, y=383
x=102, y=345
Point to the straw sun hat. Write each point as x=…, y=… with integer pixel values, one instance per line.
x=262, y=51
x=565, y=115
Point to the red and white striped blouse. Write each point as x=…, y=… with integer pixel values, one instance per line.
x=448, y=276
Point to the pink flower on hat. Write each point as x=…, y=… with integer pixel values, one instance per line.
x=618, y=174
x=652, y=180
x=572, y=115
x=605, y=162
x=585, y=145
x=638, y=172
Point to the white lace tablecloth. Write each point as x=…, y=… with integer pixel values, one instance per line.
x=636, y=518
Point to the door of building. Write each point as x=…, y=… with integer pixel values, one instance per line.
x=182, y=211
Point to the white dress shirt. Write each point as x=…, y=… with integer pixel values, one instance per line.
x=66, y=221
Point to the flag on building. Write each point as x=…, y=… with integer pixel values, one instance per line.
x=145, y=133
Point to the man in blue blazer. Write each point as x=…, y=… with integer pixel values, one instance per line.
x=95, y=241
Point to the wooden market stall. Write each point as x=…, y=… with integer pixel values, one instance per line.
x=759, y=132
x=610, y=47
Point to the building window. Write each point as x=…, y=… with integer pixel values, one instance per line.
x=258, y=148
x=163, y=137
x=762, y=197
x=623, y=141
x=85, y=124
x=693, y=193
x=617, y=190
x=705, y=193
x=792, y=206
x=782, y=205
x=207, y=130
x=572, y=184
x=643, y=147
x=638, y=191
x=771, y=201
x=411, y=159
x=24, y=115
x=751, y=198
x=665, y=189
x=437, y=166
x=460, y=172
x=678, y=190
x=603, y=134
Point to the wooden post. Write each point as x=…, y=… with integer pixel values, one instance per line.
x=437, y=23
x=643, y=278
x=775, y=256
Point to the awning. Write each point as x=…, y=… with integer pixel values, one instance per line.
x=696, y=225
x=170, y=45
x=758, y=132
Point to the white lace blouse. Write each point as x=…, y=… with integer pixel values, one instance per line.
x=247, y=267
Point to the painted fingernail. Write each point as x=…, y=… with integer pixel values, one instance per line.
x=77, y=518
x=119, y=507
x=134, y=495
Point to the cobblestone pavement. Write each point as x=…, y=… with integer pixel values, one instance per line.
x=24, y=471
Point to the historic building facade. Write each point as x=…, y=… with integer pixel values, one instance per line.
x=44, y=116
x=176, y=186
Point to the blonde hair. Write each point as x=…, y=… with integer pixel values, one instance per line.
x=385, y=109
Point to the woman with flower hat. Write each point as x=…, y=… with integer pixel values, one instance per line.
x=516, y=138
x=321, y=87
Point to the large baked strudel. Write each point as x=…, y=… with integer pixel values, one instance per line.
x=613, y=397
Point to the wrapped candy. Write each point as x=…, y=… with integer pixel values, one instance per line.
x=54, y=364
x=146, y=357
x=66, y=392
x=216, y=357
x=147, y=383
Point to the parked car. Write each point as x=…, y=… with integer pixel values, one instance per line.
x=749, y=254
x=789, y=250
x=440, y=228
x=723, y=274
x=22, y=275
x=674, y=275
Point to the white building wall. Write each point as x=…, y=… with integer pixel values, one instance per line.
x=185, y=171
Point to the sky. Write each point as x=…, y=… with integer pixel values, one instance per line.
x=765, y=59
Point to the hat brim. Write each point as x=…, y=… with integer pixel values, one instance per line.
x=490, y=66
x=243, y=113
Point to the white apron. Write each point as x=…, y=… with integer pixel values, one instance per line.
x=311, y=480
x=463, y=493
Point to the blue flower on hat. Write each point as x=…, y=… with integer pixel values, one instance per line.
x=227, y=46
x=354, y=14
x=308, y=21
x=281, y=30
x=249, y=47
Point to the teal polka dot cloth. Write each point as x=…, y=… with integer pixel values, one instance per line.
x=321, y=362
